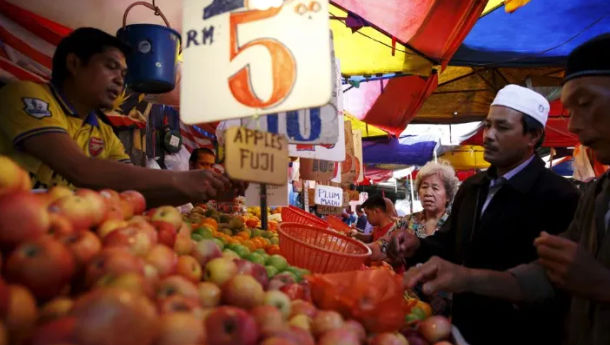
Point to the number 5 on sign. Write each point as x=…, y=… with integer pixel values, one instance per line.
x=241, y=61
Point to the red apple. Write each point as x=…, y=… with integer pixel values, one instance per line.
x=132, y=282
x=110, y=194
x=188, y=267
x=83, y=245
x=55, y=309
x=280, y=280
x=230, y=326
x=166, y=233
x=136, y=199
x=339, y=336
x=25, y=212
x=177, y=285
x=60, y=225
x=356, y=328
x=444, y=342
x=99, y=207
x=179, y=303
x=435, y=328
x=59, y=331
x=57, y=192
x=114, y=317
x=183, y=243
x=243, y=291
x=326, y=320
x=268, y=319
x=169, y=214
x=21, y=313
x=296, y=335
x=44, y=265
x=302, y=321
x=13, y=179
x=209, y=294
x=112, y=261
x=79, y=210
x=300, y=306
x=278, y=341
x=134, y=239
x=115, y=210
x=206, y=250
x=163, y=258
x=255, y=270
x=219, y=270
x=415, y=338
x=180, y=329
x=388, y=339
x=110, y=225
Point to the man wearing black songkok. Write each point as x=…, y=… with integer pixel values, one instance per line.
x=577, y=261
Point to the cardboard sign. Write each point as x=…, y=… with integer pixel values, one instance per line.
x=329, y=209
x=328, y=196
x=241, y=61
x=256, y=156
x=346, y=198
x=317, y=170
x=350, y=164
x=357, y=135
x=276, y=195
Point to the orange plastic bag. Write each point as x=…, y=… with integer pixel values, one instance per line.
x=373, y=297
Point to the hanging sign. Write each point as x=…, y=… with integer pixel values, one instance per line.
x=241, y=59
x=256, y=156
x=351, y=163
x=317, y=170
x=358, y=166
x=277, y=196
x=328, y=196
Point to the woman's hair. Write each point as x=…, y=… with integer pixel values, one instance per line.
x=446, y=173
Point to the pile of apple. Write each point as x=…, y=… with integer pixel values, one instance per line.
x=89, y=267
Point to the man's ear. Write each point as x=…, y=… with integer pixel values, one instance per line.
x=73, y=63
x=534, y=137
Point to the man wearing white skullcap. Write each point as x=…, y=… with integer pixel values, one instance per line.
x=495, y=217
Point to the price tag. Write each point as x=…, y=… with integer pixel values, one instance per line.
x=329, y=209
x=256, y=156
x=241, y=59
x=328, y=196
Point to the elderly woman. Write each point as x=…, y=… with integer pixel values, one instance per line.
x=436, y=185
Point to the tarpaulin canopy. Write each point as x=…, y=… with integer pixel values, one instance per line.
x=542, y=33
x=466, y=157
x=393, y=151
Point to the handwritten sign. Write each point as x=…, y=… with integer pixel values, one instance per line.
x=241, y=61
x=329, y=209
x=328, y=196
x=317, y=170
x=276, y=195
x=256, y=156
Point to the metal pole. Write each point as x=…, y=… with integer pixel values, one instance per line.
x=263, y=191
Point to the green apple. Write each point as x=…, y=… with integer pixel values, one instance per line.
x=255, y=233
x=277, y=261
x=256, y=258
x=260, y=251
x=294, y=276
x=274, y=240
x=296, y=271
x=241, y=250
x=267, y=234
x=219, y=242
x=271, y=271
x=229, y=254
x=219, y=270
x=279, y=300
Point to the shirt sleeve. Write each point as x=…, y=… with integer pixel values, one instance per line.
x=116, y=150
x=28, y=109
x=535, y=286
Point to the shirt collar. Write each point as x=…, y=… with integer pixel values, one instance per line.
x=518, y=168
x=91, y=119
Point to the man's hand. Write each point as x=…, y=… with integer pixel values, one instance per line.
x=572, y=268
x=403, y=244
x=203, y=185
x=437, y=275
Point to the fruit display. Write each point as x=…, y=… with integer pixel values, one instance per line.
x=96, y=267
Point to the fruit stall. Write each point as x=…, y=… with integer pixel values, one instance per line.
x=98, y=267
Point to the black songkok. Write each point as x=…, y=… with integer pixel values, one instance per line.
x=591, y=58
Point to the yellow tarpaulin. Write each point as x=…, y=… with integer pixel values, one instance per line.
x=466, y=157
x=366, y=129
x=369, y=51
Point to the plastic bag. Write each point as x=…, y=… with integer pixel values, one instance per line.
x=373, y=297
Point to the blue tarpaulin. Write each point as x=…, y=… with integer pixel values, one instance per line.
x=541, y=33
x=391, y=151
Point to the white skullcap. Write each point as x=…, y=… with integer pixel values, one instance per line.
x=524, y=100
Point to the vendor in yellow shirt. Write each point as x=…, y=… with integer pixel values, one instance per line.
x=55, y=131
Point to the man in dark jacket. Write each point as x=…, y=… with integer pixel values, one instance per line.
x=577, y=261
x=495, y=218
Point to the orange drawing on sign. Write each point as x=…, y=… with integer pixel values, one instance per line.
x=283, y=66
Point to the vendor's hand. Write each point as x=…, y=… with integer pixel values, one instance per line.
x=203, y=185
x=572, y=268
x=437, y=275
x=403, y=244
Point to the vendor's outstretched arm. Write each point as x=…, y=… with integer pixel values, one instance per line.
x=59, y=152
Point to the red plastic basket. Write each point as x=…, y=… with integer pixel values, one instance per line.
x=337, y=224
x=293, y=214
x=320, y=250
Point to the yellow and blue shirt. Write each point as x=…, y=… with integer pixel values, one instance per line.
x=28, y=109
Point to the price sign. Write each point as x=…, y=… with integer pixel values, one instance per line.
x=256, y=156
x=317, y=170
x=329, y=209
x=328, y=196
x=241, y=59
x=276, y=195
